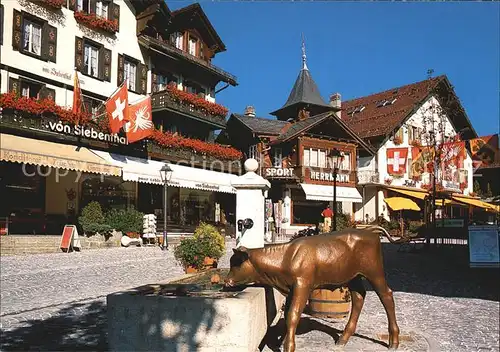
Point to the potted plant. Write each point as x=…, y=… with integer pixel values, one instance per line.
x=92, y=220
x=202, y=251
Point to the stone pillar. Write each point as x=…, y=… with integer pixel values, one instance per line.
x=250, y=190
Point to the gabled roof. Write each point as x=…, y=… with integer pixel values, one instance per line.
x=261, y=125
x=368, y=118
x=295, y=129
x=194, y=11
x=304, y=91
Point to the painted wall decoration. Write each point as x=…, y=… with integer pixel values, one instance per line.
x=485, y=150
x=396, y=161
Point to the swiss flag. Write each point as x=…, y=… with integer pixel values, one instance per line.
x=140, y=125
x=396, y=161
x=117, y=108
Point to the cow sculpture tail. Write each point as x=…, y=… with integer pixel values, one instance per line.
x=380, y=229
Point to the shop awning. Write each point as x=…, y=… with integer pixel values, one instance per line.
x=474, y=202
x=44, y=153
x=415, y=194
x=400, y=203
x=148, y=171
x=325, y=193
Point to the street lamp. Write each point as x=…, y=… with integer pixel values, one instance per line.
x=165, y=173
x=336, y=157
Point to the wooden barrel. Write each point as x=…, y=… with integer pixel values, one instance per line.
x=330, y=304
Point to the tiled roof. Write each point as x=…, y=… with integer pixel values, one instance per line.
x=261, y=125
x=373, y=120
x=302, y=125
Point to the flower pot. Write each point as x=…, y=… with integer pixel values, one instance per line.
x=191, y=269
x=209, y=263
x=331, y=304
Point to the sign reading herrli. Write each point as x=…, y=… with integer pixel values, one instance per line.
x=69, y=238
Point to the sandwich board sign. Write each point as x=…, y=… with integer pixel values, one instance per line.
x=69, y=238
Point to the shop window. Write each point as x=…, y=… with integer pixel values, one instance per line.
x=278, y=157
x=110, y=192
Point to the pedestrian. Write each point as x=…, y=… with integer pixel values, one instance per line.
x=327, y=214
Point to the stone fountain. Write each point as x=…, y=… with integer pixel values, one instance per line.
x=194, y=313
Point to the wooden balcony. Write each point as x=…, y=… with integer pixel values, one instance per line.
x=163, y=100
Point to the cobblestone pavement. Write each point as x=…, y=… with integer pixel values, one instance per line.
x=57, y=301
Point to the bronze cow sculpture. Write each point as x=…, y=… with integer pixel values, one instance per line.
x=323, y=261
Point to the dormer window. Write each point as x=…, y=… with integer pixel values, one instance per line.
x=386, y=102
x=177, y=39
x=357, y=109
x=192, y=45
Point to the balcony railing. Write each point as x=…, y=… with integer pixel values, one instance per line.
x=367, y=176
x=164, y=100
x=168, y=48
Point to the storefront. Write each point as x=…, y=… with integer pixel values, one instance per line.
x=45, y=184
x=193, y=195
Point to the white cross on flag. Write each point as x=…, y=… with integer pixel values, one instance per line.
x=396, y=161
x=117, y=109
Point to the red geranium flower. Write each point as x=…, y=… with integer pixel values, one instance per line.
x=94, y=21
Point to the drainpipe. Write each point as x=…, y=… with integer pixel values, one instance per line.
x=364, y=202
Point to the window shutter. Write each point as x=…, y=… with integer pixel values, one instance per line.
x=92, y=6
x=17, y=31
x=47, y=93
x=115, y=14
x=1, y=24
x=79, y=54
x=49, y=42
x=105, y=64
x=121, y=70
x=142, y=81
x=72, y=5
x=15, y=86
x=154, y=83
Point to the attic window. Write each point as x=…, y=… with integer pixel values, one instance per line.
x=386, y=102
x=357, y=109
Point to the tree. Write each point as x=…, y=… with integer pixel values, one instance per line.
x=477, y=188
x=488, y=193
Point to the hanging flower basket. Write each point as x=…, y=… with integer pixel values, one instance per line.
x=96, y=22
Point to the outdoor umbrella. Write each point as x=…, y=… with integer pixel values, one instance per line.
x=400, y=203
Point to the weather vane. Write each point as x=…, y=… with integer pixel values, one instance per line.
x=304, y=65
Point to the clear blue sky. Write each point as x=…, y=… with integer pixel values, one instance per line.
x=357, y=49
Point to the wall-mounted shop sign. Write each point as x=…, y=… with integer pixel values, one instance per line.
x=55, y=72
x=410, y=183
x=279, y=172
x=207, y=186
x=328, y=176
x=86, y=132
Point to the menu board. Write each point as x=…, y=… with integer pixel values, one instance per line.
x=484, y=248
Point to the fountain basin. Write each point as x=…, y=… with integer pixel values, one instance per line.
x=190, y=314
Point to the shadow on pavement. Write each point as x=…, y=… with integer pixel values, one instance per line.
x=68, y=331
x=442, y=271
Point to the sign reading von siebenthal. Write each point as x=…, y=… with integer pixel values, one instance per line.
x=78, y=130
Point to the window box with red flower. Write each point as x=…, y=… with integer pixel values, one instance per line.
x=173, y=141
x=388, y=180
x=397, y=140
x=189, y=103
x=96, y=22
x=54, y=4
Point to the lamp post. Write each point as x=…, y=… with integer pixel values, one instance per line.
x=335, y=156
x=165, y=173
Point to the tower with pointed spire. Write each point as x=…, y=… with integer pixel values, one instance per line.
x=304, y=99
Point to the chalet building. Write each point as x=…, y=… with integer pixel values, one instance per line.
x=54, y=162
x=399, y=124
x=293, y=152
